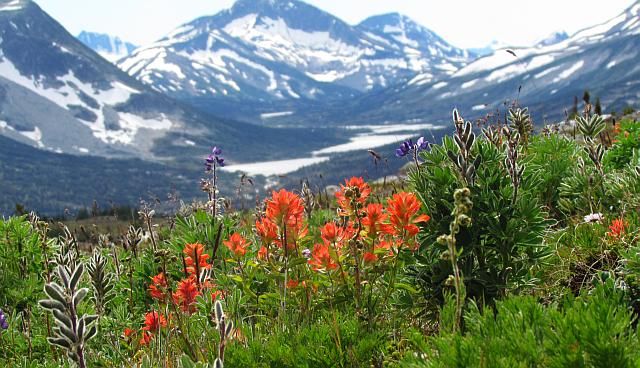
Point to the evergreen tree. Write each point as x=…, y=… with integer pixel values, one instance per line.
x=586, y=97
x=574, y=109
x=598, y=106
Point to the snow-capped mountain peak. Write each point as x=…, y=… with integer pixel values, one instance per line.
x=111, y=48
x=408, y=32
x=287, y=49
x=552, y=39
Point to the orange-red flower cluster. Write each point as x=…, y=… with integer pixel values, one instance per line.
x=617, y=228
x=267, y=231
x=158, y=288
x=402, y=208
x=285, y=210
x=354, y=191
x=153, y=321
x=321, y=258
x=237, y=244
x=374, y=222
x=195, y=258
x=186, y=295
x=335, y=235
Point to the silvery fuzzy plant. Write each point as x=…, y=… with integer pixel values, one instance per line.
x=71, y=331
x=514, y=169
x=493, y=135
x=591, y=126
x=133, y=239
x=464, y=139
x=225, y=328
x=101, y=280
x=68, y=251
x=520, y=120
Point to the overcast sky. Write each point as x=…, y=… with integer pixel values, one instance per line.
x=468, y=23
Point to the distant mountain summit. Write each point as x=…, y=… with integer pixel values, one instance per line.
x=261, y=50
x=109, y=47
x=546, y=76
x=552, y=39
x=414, y=38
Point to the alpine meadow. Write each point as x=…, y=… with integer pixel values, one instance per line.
x=269, y=185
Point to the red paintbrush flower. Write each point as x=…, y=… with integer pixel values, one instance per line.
x=262, y=253
x=284, y=208
x=146, y=338
x=370, y=257
x=616, y=229
x=158, y=288
x=128, y=333
x=352, y=189
x=186, y=295
x=195, y=258
x=321, y=258
x=267, y=231
x=336, y=235
x=402, y=208
x=374, y=219
x=237, y=244
x=153, y=321
x=295, y=233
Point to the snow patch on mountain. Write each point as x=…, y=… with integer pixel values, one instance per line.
x=75, y=95
x=569, y=71
x=109, y=47
x=12, y=5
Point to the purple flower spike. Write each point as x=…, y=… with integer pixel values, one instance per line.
x=422, y=143
x=3, y=321
x=214, y=159
x=404, y=149
x=306, y=253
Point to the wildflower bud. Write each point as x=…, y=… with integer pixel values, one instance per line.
x=445, y=255
x=442, y=239
x=464, y=220
x=450, y=281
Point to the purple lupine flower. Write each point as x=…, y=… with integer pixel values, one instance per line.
x=404, y=149
x=408, y=146
x=4, y=324
x=422, y=144
x=306, y=253
x=214, y=158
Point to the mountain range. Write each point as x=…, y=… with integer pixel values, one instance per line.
x=109, y=47
x=270, y=80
